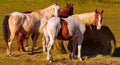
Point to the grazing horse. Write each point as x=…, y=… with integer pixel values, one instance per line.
x=71, y=28
x=16, y=22
x=63, y=12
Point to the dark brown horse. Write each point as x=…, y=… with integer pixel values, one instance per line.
x=64, y=12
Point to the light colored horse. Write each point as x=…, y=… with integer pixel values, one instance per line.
x=25, y=23
x=71, y=28
x=63, y=12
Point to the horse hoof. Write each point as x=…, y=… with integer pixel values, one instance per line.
x=10, y=55
x=27, y=49
x=50, y=61
x=36, y=48
x=72, y=57
x=44, y=50
x=80, y=59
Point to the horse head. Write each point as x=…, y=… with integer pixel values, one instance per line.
x=66, y=11
x=55, y=9
x=98, y=19
x=70, y=6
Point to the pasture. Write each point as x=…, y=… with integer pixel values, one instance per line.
x=111, y=19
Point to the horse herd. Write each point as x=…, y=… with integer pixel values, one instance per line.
x=54, y=22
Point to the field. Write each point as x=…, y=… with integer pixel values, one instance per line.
x=111, y=19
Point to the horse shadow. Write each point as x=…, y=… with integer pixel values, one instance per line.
x=116, y=52
x=36, y=51
x=97, y=42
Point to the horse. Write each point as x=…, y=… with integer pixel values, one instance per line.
x=21, y=37
x=63, y=12
x=71, y=28
x=16, y=22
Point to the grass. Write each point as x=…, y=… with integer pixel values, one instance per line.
x=111, y=19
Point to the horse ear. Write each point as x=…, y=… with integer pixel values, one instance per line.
x=72, y=3
x=67, y=4
x=96, y=11
x=102, y=11
x=57, y=3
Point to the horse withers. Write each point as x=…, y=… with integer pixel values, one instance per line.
x=71, y=28
x=16, y=22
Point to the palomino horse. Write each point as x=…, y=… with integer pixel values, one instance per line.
x=64, y=12
x=25, y=23
x=71, y=28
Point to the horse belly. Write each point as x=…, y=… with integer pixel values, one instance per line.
x=31, y=27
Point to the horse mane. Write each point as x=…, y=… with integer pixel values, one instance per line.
x=47, y=9
x=27, y=12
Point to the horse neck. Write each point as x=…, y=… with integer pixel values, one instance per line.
x=48, y=10
x=87, y=18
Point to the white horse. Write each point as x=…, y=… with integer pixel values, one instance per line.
x=16, y=22
x=71, y=28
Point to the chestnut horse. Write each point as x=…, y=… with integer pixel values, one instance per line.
x=16, y=22
x=71, y=28
x=64, y=12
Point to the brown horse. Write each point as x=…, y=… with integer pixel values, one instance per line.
x=64, y=12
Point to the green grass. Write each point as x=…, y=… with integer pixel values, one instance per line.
x=111, y=19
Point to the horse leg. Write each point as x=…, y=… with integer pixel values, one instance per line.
x=26, y=37
x=45, y=40
x=18, y=43
x=44, y=44
x=74, y=48
x=49, y=47
x=80, y=40
x=51, y=38
x=20, y=40
x=32, y=36
x=34, y=42
x=10, y=42
x=22, y=46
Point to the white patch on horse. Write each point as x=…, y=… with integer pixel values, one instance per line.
x=99, y=22
x=9, y=43
x=69, y=26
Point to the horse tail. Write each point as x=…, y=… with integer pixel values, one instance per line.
x=6, y=30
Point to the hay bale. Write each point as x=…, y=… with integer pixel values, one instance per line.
x=95, y=42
